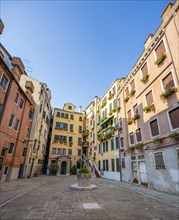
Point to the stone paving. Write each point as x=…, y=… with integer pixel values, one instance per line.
x=49, y=197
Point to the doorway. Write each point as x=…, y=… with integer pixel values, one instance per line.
x=63, y=167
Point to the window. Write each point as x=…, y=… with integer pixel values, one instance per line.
x=56, y=137
x=117, y=142
x=63, y=151
x=16, y=126
x=71, y=127
x=54, y=150
x=99, y=165
x=44, y=114
x=138, y=135
x=107, y=168
x=129, y=115
x=91, y=134
x=127, y=92
x=72, y=117
x=80, y=129
x=6, y=169
x=69, y=152
x=120, y=122
x=160, y=49
x=144, y=69
x=80, y=118
x=123, y=163
x=79, y=140
x=131, y=138
x=4, y=82
x=21, y=104
x=168, y=81
x=119, y=102
x=79, y=152
x=117, y=165
x=112, y=165
x=1, y=109
x=149, y=98
x=115, y=103
x=159, y=161
x=59, y=151
x=28, y=133
x=30, y=115
x=70, y=107
x=121, y=142
x=177, y=151
x=40, y=108
x=132, y=84
x=112, y=144
x=62, y=126
x=11, y=121
x=135, y=109
x=11, y=148
x=71, y=139
x=99, y=148
x=17, y=98
x=106, y=146
x=173, y=116
x=154, y=129
x=114, y=90
x=110, y=107
x=106, y=112
x=104, y=168
x=24, y=152
x=63, y=138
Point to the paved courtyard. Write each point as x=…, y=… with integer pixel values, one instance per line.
x=49, y=197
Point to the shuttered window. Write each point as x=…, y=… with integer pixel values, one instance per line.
x=138, y=135
x=149, y=98
x=117, y=165
x=154, y=128
x=127, y=92
x=168, y=81
x=160, y=49
x=132, y=85
x=121, y=142
x=119, y=102
x=112, y=165
x=144, y=69
x=129, y=114
x=135, y=109
x=159, y=161
x=131, y=136
x=174, y=118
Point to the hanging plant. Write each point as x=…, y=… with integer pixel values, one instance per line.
x=160, y=59
x=145, y=78
x=168, y=92
x=132, y=92
x=174, y=135
x=139, y=146
x=126, y=99
x=149, y=108
x=136, y=116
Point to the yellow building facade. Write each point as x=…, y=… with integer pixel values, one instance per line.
x=66, y=138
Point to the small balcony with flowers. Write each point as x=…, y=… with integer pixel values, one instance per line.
x=106, y=133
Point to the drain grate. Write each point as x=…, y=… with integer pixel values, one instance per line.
x=91, y=206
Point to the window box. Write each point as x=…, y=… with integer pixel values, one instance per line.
x=111, y=96
x=103, y=119
x=130, y=121
x=174, y=135
x=157, y=140
x=130, y=149
x=168, y=92
x=145, y=78
x=137, y=116
x=160, y=59
x=114, y=110
x=110, y=113
x=139, y=146
x=55, y=141
x=126, y=99
x=149, y=108
x=132, y=92
x=103, y=104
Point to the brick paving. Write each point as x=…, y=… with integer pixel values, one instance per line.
x=49, y=197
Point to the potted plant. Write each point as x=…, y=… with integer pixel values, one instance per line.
x=160, y=59
x=132, y=92
x=84, y=177
x=136, y=116
x=53, y=169
x=73, y=170
x=149, y=108
x=126, y=99
x=130, y=121
x=157, y=140
x=174, y=135
x=145, y=78
x=168, y=92
x=139, y=146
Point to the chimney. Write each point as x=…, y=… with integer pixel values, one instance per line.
x=148, y=41
x=29, y=88
x=1, y=26
x=167, y=11
x=80, y=109
x=18, y=68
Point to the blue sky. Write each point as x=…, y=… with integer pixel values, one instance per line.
x=78, y=47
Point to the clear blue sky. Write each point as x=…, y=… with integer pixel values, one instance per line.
x=78, y=47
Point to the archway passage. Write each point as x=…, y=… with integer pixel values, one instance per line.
x=63, y=167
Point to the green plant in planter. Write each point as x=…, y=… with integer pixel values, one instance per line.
x=53, y=169
x=160, y=59
x=136, y=116
x=82, y=171
x=130, y=149
x=145, y=78
x=157, y=140
x=149, y=108
x=126, y=99
x=73, y=170
x=130, y=121
x=168, y=92
x=139, y=146
x=132, y=92
x=174, y=135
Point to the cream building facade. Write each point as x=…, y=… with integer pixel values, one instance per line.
x=37, y=143
x=66, y=138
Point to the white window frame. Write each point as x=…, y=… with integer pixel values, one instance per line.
x=152, y=137
x=130, y=85
x=137, y=108
x=7, y=82
x=152, y=95
x=166, y=49
x=161, y=81
x=136, y=135
x=130, y=140
x=163, y=159
x=141, y=75
x=168, y=117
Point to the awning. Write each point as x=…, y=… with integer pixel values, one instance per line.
x=102, y=123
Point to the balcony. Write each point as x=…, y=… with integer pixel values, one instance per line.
x=85, y=133
x=85, y=144
x=106, y=133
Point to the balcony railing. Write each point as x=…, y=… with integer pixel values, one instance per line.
x=106, y=133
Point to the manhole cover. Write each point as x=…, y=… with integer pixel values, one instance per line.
x=91, y=206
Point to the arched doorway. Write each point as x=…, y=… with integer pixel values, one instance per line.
x=63, y=167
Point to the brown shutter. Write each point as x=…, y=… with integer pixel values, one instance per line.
x=132, y=85
x=129, y=114
x=174, y=118
x=135, y=109
x=138, y=134
x=119, y=101
x=144, y=69
x=132, y=138
x=149, y=98
x=154, y=128
x=160, y=49
x=127, y=92
x=122, y=143
x=168, y=81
